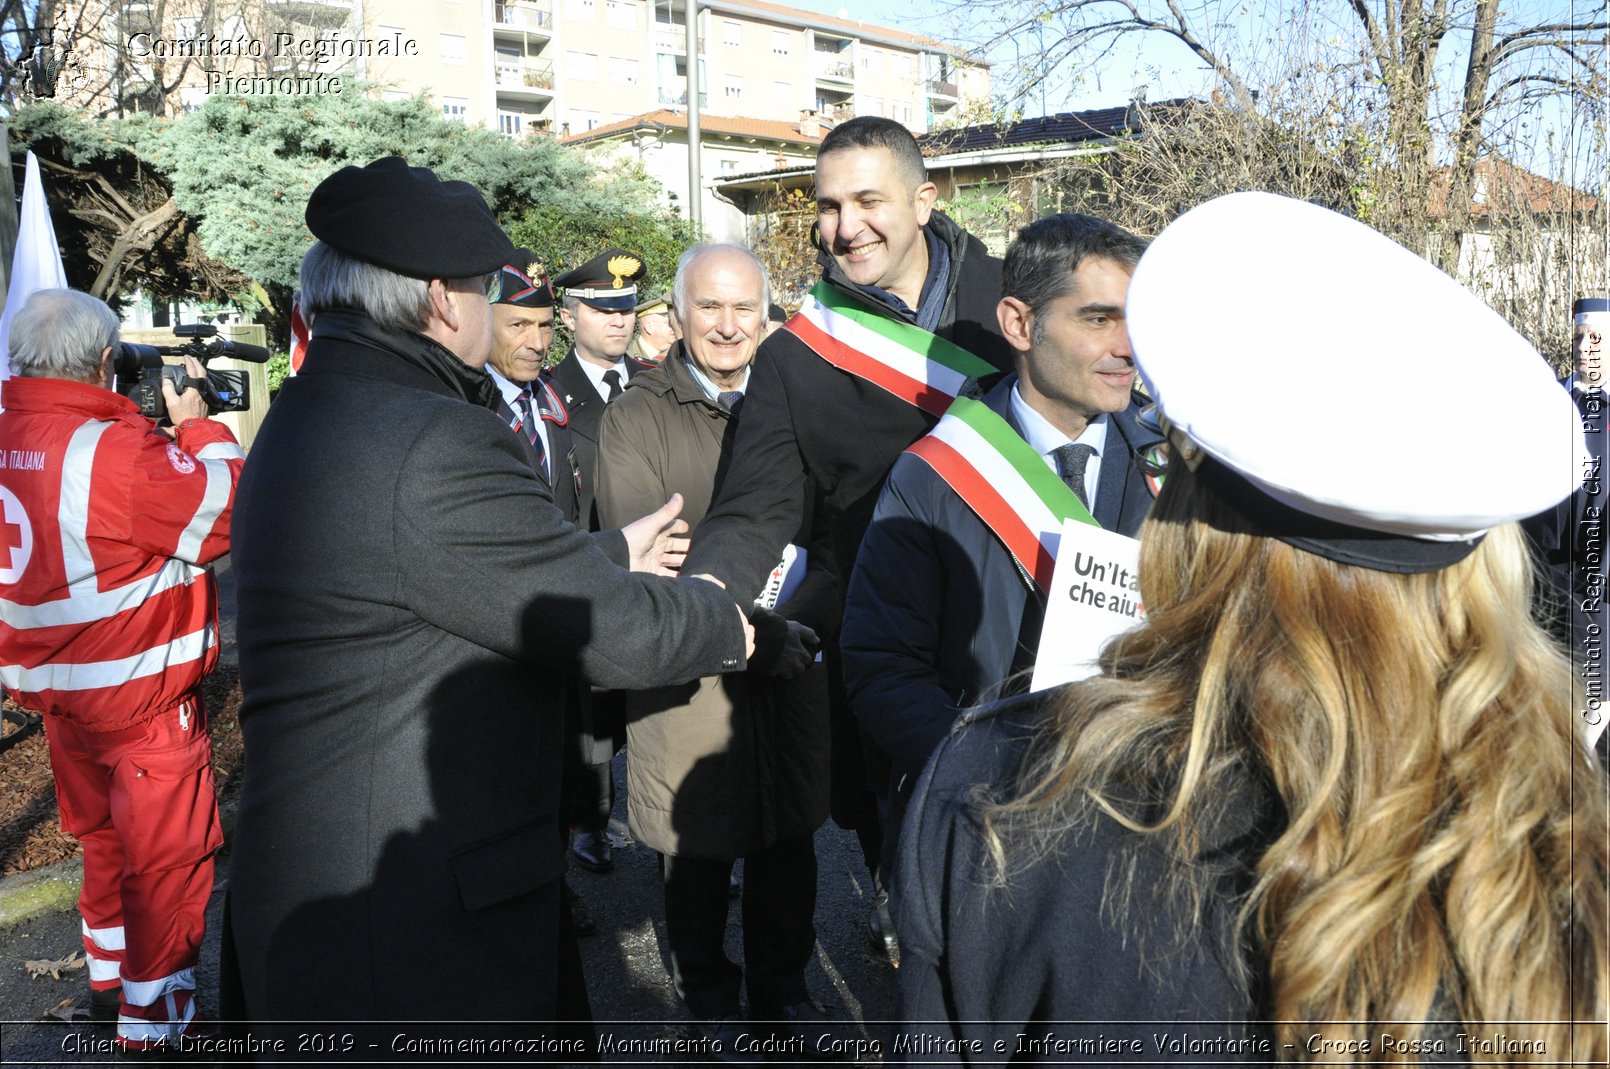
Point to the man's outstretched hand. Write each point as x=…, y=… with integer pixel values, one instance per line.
x=658, y=542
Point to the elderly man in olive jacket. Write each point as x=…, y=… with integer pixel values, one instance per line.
x=733, y=765
x=407, y=593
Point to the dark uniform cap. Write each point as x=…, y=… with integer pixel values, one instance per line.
x=407, y=220
x=524, y=282
x=1594, y=306
x=607, y=282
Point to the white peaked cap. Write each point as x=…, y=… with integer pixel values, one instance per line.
x=1346, y=377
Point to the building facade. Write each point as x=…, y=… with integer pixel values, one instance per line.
x=518, y=66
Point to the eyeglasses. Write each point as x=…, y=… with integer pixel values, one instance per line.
x=1153, y=458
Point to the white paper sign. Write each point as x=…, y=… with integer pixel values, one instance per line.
x=1093, y=597
x=785, y=578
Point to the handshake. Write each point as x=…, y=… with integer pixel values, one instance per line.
x=774, y=645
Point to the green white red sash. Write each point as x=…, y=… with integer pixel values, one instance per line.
x=916, y=366
x=1004, y=481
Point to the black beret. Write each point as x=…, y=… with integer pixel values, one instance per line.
x=524, y=282
x=407, y=220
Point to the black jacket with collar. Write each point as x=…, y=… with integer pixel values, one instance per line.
x=586, y=408
x=804, y=417
x=407, y=591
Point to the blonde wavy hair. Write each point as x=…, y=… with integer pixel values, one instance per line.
x=1443, y=853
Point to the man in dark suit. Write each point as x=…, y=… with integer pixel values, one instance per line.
x=941, y=610
x=406, y=590
x=522, y=328
x=600, y=298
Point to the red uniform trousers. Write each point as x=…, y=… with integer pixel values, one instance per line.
x=141, y=801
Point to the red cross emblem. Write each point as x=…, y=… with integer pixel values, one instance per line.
x=16, y=537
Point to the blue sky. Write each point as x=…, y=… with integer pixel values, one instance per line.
x=1263, y=27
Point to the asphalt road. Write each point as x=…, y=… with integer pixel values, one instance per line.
x=627, y=979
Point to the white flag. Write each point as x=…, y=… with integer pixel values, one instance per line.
x=36, y=265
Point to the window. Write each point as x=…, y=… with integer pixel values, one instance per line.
x=735, y=87
x=869, y=106
x=582, y=65
x=782, y=93
x=729, y=166
x=452, y=47
x=622, y=71
x=455, y=107
x=622, y=14
x=732, y=33
x=581, y=11
x=511, y=123
x=779, y=42
x=582, y=121
x=871, y=60
x=900, y=112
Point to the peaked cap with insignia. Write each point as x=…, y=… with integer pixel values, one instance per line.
x=607, y=282
x=525, y=282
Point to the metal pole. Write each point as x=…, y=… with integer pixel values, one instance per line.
x=695, y=199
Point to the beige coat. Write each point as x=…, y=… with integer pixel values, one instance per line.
x=728, y=764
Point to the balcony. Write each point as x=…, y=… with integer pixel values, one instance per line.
x=830, y=67
x=524, y=16
x=673, y=39
x=675, y=95
x=525, y=79
x=944, y=86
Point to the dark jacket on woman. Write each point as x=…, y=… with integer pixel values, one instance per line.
x=1086, y=942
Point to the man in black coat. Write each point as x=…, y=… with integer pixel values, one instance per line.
x=818, y=405
x=407, y=589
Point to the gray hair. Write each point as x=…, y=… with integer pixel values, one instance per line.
x=332, y=279
x=570, y=302
x=60, y=334
x=679, y=290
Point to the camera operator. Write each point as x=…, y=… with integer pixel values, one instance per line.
x=110, y=622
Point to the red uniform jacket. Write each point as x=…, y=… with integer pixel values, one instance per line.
x=107, y=613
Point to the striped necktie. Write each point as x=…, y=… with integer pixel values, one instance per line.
x=528, y=427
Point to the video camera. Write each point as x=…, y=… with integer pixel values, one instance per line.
x=140, y=370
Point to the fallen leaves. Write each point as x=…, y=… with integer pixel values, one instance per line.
x=39, y=967
x=66, y=1010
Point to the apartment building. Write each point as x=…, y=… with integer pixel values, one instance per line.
x=519, y=66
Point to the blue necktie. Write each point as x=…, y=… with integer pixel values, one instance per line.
x=731, y=399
